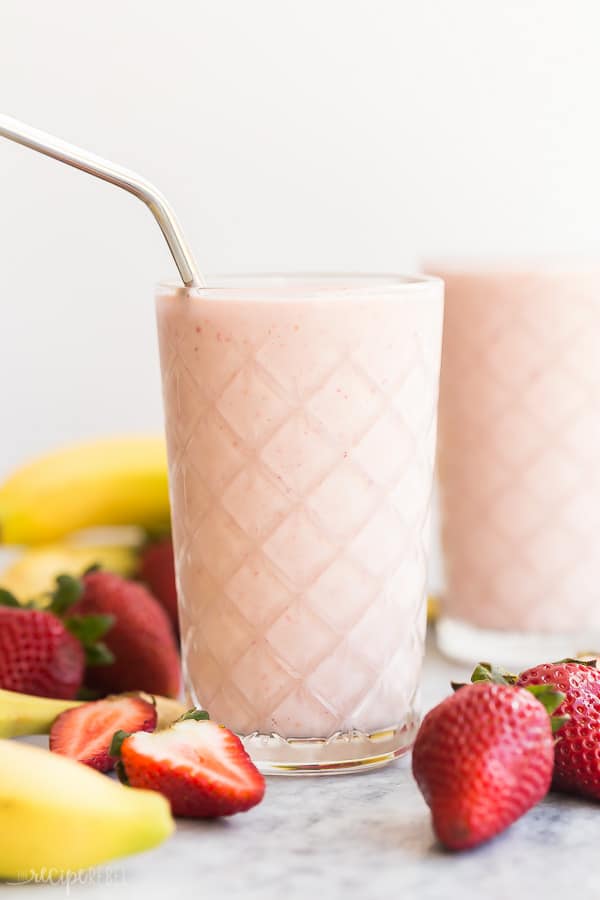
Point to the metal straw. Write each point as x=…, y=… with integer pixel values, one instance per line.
x=88, y=162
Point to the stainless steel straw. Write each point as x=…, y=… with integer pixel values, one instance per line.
x=94, y=165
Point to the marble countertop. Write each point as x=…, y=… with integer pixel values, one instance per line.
x=364, y=836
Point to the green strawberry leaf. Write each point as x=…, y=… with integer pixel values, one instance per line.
x=87, y=694
x=485, y=671
x=117, y=742
x=121, y=773
x=592, y=663
x=115, y=750
x=198, y=714
x=89, y=629
x=557, y=722
x=548, y=695
x=550, y=698
x=68, y=591
x=8, y=599
x=98, y=655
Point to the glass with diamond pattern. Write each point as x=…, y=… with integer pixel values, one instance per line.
x=518, y=463
x=301, y=420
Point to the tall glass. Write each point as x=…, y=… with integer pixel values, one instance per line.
x=519, y=447
x=301, y=420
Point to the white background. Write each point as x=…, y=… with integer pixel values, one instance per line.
x=288, y=135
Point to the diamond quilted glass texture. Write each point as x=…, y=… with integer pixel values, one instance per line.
x=519, y=444
x=301, y=435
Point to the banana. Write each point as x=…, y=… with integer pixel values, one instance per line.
x=23, y=714
x=113, y=481
x=433, y=608
x=33, y=574
x=58, y=816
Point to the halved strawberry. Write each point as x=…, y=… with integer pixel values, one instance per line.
x=199, y=766
x=85, y=732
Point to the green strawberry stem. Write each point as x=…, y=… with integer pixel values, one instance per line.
x=485, y=671
x=547, y=694
x=117, y=742
x=592, y=663
x=115, y=750
x=197, y=714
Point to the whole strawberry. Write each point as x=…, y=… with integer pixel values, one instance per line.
x=141, y=639
x=44, y=652
x=577, y=751
x=482, y=758
x=157, y=570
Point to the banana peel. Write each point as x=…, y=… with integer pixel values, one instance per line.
x=24, y=714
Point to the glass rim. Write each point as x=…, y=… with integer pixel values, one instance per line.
x=534, y=266
x=301, y=284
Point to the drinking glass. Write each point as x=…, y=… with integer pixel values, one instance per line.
x=518, y=463
x=301, y=420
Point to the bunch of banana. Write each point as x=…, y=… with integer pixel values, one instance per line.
x=56, y=815
x=112, y=481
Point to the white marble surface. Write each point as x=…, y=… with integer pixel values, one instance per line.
x=362, y=836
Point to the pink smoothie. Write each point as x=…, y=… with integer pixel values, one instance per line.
x=519, y=448
x=301, y=421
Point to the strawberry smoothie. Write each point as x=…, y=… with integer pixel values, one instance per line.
x=301, y=421
x=518, y=458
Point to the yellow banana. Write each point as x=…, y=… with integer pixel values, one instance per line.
x=113, y=481
x=34, y=572
x=433, y=608
x=58, y=816
x=22, y=714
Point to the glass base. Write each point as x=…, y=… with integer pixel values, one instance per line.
x=352, y=751
x=511, y=649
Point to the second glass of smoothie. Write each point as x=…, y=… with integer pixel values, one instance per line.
x=518, y=459
x=301, y=421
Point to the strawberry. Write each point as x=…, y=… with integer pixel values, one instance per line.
x=577, y=751
x=85, y=732
x=482, y=758
x=157, y=570
x=44, y=651
x=200, y=767
x=141, y=639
